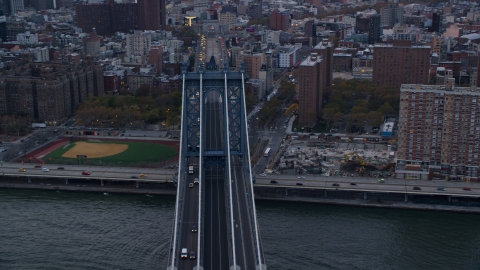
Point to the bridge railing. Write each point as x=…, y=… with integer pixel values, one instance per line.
x=249, y=181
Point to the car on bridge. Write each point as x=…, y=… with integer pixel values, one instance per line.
x=441, y=188
x=466, y=188
x=192, y=255
x=190, y=185
x=195, y=181
x=133, y=177
x=263, y=174
x=184, y=253
x=38, y=166
x=86, y=172
x=142, y=175
x=273, y=182
x=417, y=188
x=381, y=180
x=335, y=184
x=299, y=184
x=301, y=177
x=22, y=170
x=353, y=184
x=194, y=228
x=45, y=170
x=60, y=168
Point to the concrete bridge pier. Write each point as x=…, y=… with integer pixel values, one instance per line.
x=286, y=192
x=137, y=184
x=66, y=181
x=101, y=183
x=29, y=180
x=365, y=196
x=449, y=198
x=406, y=197
x=324, y=193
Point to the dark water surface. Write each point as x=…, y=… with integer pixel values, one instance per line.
x=65, y=230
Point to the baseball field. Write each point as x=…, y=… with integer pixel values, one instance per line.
x=110, y=152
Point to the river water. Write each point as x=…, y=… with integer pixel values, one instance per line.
x=65, y=230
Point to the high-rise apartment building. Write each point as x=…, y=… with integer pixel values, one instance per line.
x=200, y=5
x=391, y=15
x=325, y=50
x=400, y=62
x=98, y=16
x=151, y=14
x=16, y=5
x=155, y=58
x=254, y=10
x=279, y=20
x=124, y=17
x=114, y=17
x=369, y=24
x=310, y=92
x=438, y=132
x=253, y=63
x=227, y=17
x=138, y=43
x=3, y=26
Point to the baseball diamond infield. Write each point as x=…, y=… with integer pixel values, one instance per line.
x=94, y=150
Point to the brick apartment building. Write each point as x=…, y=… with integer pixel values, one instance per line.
x=325, y=50
x=48, y=91
x=112, y=17
x=400, y=62
x=279, y=20
x=439, y=132
x=311, y=82
x=253, y=63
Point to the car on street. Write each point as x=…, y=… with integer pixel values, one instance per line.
x=335, y=184
x=86, y=172
x=353, y=184
x=417, y=188
x=60, y=168
x=195, y=181
x=192, y=255
x=263, y=174
x=381, y=180
x=299, y=184
x=133, y=177
x=142, y=175
x=273, y=182
x=45, y=170
x=194, y=228
x=466, y=188
x=301, y=177
x=22, y=170
x=441, y=188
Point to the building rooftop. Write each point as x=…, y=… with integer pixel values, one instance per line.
x=401, y=46
x=311, y=60
x=440, y=88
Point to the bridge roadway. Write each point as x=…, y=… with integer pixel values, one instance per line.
x=188, y=238
x=371, y=185
x=216, y=246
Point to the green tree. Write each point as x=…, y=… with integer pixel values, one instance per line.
x=386, y=109
x=374, y=118
x=249, y=101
